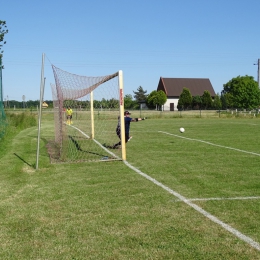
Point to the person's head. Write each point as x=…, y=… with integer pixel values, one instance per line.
x=127, y=113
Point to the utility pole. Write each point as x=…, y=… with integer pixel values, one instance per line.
x=258, y=78
x=258, y=72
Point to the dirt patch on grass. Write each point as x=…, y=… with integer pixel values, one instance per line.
x=53, y=150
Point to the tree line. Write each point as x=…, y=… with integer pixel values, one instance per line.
x=241, y=92
x=30, y=104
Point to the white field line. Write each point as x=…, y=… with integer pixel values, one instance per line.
x=235, y=198
x=117, y=157
x=235, y=232
x=78, y=130
x=222, y=146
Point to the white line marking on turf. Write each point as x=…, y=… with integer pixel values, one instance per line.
x=235, y=232
x=235, y=198
x=222, y=146
x=78, y=130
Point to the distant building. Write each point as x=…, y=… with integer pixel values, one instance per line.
x=44, y=105
x=173, y=88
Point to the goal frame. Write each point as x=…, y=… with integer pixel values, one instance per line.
x=61, y=96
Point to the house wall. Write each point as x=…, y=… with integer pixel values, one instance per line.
x=171, y=100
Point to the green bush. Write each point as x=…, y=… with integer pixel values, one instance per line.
x=21, y=120
x=16, y=122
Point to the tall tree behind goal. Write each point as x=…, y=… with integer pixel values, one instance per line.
x=86, y=112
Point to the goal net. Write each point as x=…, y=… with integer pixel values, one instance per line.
x=86, y=113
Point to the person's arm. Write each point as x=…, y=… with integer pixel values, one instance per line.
x=137, y=119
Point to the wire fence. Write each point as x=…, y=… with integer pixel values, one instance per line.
x=229, y=113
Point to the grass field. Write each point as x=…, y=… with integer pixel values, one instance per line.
x=194, y=195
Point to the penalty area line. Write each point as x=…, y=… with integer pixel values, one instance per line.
x=201, y=141
x=227, y=227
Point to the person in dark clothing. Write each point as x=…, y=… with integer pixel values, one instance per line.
x=128, y=120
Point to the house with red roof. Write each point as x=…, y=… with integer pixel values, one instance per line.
x=173, y=88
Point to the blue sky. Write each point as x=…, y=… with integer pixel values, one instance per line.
x=215, y=39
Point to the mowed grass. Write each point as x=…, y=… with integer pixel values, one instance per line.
x=105, y=210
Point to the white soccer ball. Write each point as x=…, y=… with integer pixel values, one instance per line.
x=182, y=130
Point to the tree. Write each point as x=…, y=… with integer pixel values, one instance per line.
x=156, y=99
x=113, y=103
x=140, y=95
x=161, y=98
x=150, y=99
x=129, y=102
x=206, y=100
x=226, y=100
x=217, y=104
x=185, y=100
x=244, y=92
x=3, y=32
x=196, y=102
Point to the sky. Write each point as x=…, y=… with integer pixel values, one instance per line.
x=146, y=39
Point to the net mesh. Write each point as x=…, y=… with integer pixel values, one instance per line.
x=86, y=131
x=2, y=112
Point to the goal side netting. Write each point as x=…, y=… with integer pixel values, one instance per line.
x=86, y=113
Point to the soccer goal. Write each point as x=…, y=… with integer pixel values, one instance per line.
x=86, y=113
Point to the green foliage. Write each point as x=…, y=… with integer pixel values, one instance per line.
x=104, y=103
x=151, y=99
x=196, y=102
x=3, y=32
x=156, y=99
x=161, y=98
x=242, y=92
x=129, y=103
x=21, y=120
x=140, y=95
x=185, y=100
x=206, y=100
x=16, y=122
x=26, y=104
x=227, y=100
x=217, y=104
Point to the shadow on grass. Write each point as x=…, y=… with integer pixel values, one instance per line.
x=31, y=165
x=84, y=151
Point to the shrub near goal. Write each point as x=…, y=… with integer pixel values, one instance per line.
x=96, y=103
